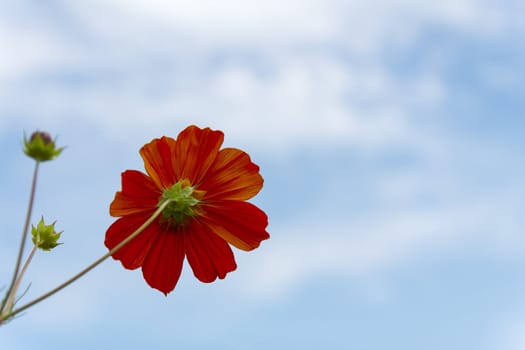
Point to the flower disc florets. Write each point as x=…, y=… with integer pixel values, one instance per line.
x=182, y=203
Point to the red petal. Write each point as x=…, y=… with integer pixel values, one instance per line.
x=139, y=193
x=163, y=264
x=232, y=176
x=195, y=151
x=132, y=254
x=157, y=156
x=241, y=224
x=208, y=255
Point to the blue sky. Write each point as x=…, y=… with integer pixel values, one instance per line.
x=389, y=134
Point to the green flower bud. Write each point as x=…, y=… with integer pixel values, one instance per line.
x=44, y=236
x=41, y=147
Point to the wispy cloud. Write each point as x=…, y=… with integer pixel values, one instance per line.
x=307, y=76
x=379, y=244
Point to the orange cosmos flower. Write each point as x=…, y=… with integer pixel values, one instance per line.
x=208, y=187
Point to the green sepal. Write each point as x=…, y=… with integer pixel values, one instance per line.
x=41, y=147
x=44, y=236
x=182, y=203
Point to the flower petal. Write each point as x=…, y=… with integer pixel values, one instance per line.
x=139, y=193
x=132, y=254
x=195, y=151
x=163, y=264
x=241, y=224
x=208, y=255
x=157, y=156
x=232, y=176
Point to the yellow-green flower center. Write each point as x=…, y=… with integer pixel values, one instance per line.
x=182, y=203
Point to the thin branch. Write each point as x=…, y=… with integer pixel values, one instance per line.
x=24, y=238
x=93, y=265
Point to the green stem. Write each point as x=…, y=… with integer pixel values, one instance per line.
x=23, y=241
x=11, y=301
x=93, y=265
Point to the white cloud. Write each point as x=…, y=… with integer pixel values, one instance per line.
x=120, y=30
x=365, y=27
x=302, y=102
x=305, y=95
x=227, y=21
x=386, y=239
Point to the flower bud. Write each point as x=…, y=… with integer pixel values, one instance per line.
x=44, y=236
x=41, y=147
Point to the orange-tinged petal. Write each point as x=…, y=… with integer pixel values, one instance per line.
x=241, y=224
x=139, y=193
x=195, y=151
x=163, y=264
x=208, y=255
x=157, y=156
x=132, y=254
x=232, y=176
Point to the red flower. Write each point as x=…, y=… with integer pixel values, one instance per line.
x=208, y=187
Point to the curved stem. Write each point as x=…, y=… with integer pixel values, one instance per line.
x=24, y=238
x=93, y=265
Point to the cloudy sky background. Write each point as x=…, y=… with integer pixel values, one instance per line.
x=389, y=134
